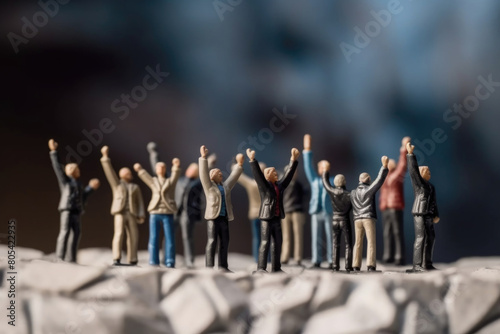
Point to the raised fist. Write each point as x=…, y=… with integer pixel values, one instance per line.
x=176, y=162
x=405, y=140
x=251, y=154
x=409, y=148
x=307, y=142
x=105, y=151
x=240, y=159
x=137, y=167
x=385, y=161
x=203, y=151
x=151, y=147
x=295, y=154
x=52, y=145
x=94, y=184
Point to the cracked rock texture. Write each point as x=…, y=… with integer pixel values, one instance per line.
x=94, y=297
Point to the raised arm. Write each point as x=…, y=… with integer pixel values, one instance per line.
x=416, y=178
x=402, y=165
x=61, y=177
x=256, y=171
x=379, y=181
x=154, y=157
x=176, y=171
x=236, y=172
x=204, y=173
x=108, y=168
x=292, y=167
x=144, y=175
x=245, y=181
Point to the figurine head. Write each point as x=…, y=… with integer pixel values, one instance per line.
x=322, y=166
x=216, y=175
x=160, y=169
x=391, y=165
x=126, y=174
x=72, y=170
x=192, y=172
x=339, y=180
x=425, y=172
x=271, y=174
x=365, y=178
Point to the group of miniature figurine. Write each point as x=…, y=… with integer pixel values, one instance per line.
x=275, y=209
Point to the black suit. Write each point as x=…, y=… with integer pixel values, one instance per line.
x=73, y=198
x=270, y=222
x=424, y=211
x=342, y=206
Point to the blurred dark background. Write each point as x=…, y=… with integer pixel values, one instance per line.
x=230, y=65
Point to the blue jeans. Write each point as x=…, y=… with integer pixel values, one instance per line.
x=255, y=238
x=155, y=223
x=321, y=227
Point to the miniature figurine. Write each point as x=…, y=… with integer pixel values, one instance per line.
x=253, y=209
x=188, y=198
x=392, y=204
x=341, y=222
x=271, y=209
x=127, y=208
x=293, y=205
x=71, y=204
x=365, y=216
x=219, y=209
x=161, y=209
x=425, y=213
x=320, y=209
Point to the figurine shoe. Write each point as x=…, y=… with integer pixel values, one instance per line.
x=416, y=269
x=371, y=268
x=356, y=268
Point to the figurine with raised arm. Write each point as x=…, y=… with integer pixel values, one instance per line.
x=341, y=202
x=425, y=213
x=365, y=216
x=219, y=208
x=320, y=209
x=271, y=208
x=295, y=218
x=71, y=204
x=392, y=204
x=253, y=208
x=161, y=209
x=127, y=208
x=188, y=198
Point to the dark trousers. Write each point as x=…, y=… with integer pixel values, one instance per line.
x=424, y=241
x=217, y=229
x=270, y=236
x=340, y=226
x=69, y=224
x=187, y=229
x=393, y=235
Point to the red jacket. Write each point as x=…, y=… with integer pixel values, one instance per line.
x=391, y=193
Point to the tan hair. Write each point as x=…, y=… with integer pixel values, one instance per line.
x=339, y=180
x=364, y=178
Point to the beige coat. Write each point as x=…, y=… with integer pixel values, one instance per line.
x=135, y=201
x=212, y=192
x=253, y=195
x=165, y=192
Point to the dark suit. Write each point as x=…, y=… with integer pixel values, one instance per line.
x=424, y=211
x=71, y=204
x=270, y=222
x=342, y=206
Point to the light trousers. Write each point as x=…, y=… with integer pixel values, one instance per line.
x=296, y=221
x=362, y=226
x=125, y=223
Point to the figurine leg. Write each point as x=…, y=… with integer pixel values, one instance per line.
x=75, y=225
x=418, y=247
x=62, y=239
x=169, y=230
x=358, y=245
x=264, y=244
x=327, y=227
x=277, y=243
x=388, y=223
x=132, y=238
x=154, y=236
x=316, y=240
x=187, y=239
x=346, y=228
x=371, y=245
x=336, y=244
x=399, y=244
x=224, y=242
x=298, y=234
x=430, y=236
x=116, y=246
x=212, y=234
x=255, y=239
x=286, y=226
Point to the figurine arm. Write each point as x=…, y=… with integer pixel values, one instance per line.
x=326, y=182
x=204, y=174
x=234, y=176
x=257, y=174
x=61, y=177
x=245, y=181
x=287, y=178
x=154, y=157
x=308, y=166
x=146, y=178
x=402, y=164
x=175, y=172
x=110, y=172
x=415, y=176
x=379, y=181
